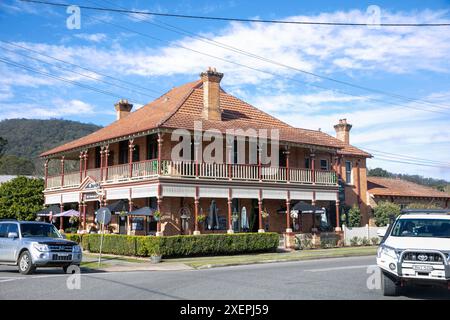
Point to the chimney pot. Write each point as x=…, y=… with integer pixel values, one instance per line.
x=211, y=94
x=343, y=131
x=123, y=108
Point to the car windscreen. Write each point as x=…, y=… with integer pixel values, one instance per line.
x=32, y=230
x=429, y=228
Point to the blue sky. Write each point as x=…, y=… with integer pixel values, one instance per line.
x=145, y=52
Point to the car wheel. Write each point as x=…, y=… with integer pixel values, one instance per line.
x=65, y=268
x=25, y=263
x=389, y=286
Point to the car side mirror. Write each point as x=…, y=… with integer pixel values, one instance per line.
x=63, y=236
x=381, y=232
x=12, y=235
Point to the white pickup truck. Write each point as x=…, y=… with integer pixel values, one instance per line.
x=415, y=249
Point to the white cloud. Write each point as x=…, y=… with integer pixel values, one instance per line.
x=56, y=108
x=93, y=37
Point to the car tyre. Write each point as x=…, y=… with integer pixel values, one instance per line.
x=25, y=263
x=389, y=286
x=65, y=268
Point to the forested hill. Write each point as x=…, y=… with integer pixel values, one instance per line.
x=27, y=138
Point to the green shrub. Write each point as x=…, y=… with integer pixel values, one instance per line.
x=328, y=243
x=73, y=237
x=383, y=211
x=354, y=241
x=354, y=217
x=182, y=246
x=375, y=241
x=365, y=241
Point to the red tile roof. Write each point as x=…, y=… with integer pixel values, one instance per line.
x=181, y=106
x=379, y=186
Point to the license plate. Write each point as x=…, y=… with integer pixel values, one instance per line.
x=423, y=268
x=63, y=254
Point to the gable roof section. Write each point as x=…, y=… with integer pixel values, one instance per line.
x=379, y=186
x=182, y=106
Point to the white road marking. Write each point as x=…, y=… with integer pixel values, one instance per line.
x=338, y=268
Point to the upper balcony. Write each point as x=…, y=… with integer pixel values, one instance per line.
x=150, y=169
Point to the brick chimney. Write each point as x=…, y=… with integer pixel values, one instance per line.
x=123, y=108
x=211, y=94
x=343, y=131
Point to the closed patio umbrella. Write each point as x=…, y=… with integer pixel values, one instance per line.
x=211, y=216
x=244, y=220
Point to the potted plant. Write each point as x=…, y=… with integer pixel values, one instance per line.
x=73, y=220
x=201, y=218
x=156, y=215
x=122, y=215
x=155, y=255
x=264, y=214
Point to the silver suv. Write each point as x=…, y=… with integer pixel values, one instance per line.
x=29, y=245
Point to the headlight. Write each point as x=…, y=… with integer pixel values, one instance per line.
x=76, y=249
x=388, y=251
x=41, y=247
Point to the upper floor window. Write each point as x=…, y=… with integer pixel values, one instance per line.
x=324, y=164
x=152, y=147
x=348, y=172
x=123, y=152
x=307, y=163
x=97, y=157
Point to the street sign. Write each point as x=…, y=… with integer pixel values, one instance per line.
x=103, y=215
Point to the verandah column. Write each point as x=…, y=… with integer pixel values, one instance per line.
x=81, y=165
x=159, y=207
x=230, y=203
x=130, y=156
x=62, y=171
x=313, y=167
x=101, y=163
x=85, y=162
x=338, y=227
x=106, y=161
x=196, y=203
x=288, y=213
x=287, y=152
x=260, y=203
x=160, y=142
x=46, y=171
x=61, y=224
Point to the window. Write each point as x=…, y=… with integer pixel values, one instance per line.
x=152, y=147
x=307, y=163
x=423, y=228
x=111, y=158
x=3, y=230
x=348, y=172
x=13, y=228
x=32, y=230
x=136, y=154
x=324, y=164
x=123, y=152
x=97, y=157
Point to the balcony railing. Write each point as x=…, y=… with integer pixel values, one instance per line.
x=188, y=169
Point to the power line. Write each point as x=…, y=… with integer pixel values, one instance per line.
x=412, y=163
x=78, y=66
x=18, y=65
x=406, y=156
x=261, y=58
x=75, y=72
x=262, y=71
x=246, y=20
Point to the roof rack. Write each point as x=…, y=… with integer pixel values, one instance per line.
x=425, y=211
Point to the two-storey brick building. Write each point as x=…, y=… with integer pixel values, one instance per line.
x=131, y=160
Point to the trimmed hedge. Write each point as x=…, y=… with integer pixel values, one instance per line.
x=73, y=237
x=181, y=246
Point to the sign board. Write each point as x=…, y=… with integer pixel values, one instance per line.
x=103, y=215
x=91, y=196
x=92, y=186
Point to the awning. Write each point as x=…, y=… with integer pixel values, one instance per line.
x=68, y=213
x=304, y=207
x=144, y=211
x=118, y=206
x=46, y=212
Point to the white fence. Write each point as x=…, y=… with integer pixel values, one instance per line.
x=367, y=232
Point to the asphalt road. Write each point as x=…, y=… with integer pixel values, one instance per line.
x=340, y=278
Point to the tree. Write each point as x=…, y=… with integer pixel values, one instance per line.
x=3, y=143
x=21, y=198
x=354, y=217
x=13, y=165
x=379, y=172
x=384, y=211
